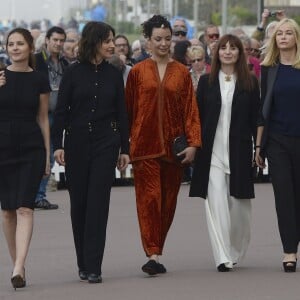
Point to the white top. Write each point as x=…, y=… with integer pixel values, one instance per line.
x=220, y=152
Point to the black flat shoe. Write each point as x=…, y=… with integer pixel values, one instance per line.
x=289, y=266
x=160, y=268
x=83, y=275
x=18, y=282
x=150, y=267
x=94, y=278
x=223, y=268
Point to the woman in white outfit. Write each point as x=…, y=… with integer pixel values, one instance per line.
x=228, y=100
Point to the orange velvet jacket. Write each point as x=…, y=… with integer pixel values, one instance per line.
x=159, y=111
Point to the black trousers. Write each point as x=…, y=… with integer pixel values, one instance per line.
x=283, y=154
x=90, y=172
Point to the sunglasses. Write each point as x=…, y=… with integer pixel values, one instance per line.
x=178, y=33
x=255, y=50
x=197, y=60
x=214, y=35
x=121, y=45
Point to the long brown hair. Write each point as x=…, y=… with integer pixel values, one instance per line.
x=29, y=40
x=244, y=78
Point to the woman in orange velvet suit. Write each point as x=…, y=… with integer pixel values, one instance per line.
x=161, y=106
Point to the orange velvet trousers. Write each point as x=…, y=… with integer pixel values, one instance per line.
x=157, y=183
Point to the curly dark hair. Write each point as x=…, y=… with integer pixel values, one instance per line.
x=93, y=33
x=157, y=21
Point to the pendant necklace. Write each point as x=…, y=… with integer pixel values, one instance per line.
x=227, y=77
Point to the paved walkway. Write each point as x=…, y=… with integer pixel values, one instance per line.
x=52, y=273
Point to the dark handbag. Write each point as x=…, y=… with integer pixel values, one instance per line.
x=179, y=144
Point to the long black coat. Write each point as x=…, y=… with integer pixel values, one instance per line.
x=243, y=124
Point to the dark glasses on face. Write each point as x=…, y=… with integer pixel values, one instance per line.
x=178, y=33
x=197, y=60
x=214, y=35
x=255, y=50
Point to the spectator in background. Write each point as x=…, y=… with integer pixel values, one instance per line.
x=50, y=62
x=255, y=48
x=136, y=48
x=145, y=51
x=40, y=44
x=196, y=42
x=181, y=53
x=261, y=33
x=253, y=62
x=199, y=66
x=72, y=38
x=211, y=37
x=119, y=62
x=122, y=46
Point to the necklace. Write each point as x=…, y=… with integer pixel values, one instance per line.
x=227, y=77
x=17, y=69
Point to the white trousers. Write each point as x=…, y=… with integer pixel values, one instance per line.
x=228, y=220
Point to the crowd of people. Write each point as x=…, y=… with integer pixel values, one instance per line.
x=231, y=101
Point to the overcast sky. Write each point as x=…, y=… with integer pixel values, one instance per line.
x=29, y=10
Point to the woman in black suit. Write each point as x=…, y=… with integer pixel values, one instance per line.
x=91, y=110
x=228, y=100
x=278, y=135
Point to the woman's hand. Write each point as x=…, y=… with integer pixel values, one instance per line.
x=260, y=162
x=59, y=156
x=189, y=155
x=123, y=162
x=2, y=78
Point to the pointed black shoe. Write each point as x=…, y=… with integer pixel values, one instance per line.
x=289, y=266
x=18, y=282
x=223, y=268
x=83, y=275
x=94, y=278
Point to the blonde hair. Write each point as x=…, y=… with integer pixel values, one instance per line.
x=194, y=51
x=272, y=51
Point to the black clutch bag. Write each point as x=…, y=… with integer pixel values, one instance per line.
x=179, y=144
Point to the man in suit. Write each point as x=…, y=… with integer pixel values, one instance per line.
x=51, y=62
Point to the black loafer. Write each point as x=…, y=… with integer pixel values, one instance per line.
x=161, y=268
x=94, y=278
x=152, y=268
x=223, y=268
x=83, y=275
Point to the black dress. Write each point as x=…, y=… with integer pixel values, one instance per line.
x=22, y=149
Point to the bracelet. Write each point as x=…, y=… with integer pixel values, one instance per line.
x=257, y=146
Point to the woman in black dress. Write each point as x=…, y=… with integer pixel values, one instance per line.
x=24, y=146
x=91, y=110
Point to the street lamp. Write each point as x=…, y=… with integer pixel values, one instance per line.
x=224, y=16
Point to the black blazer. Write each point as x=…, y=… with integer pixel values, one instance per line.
x=244, y=112
x=268, y=77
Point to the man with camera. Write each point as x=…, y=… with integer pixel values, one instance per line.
x=259, y=33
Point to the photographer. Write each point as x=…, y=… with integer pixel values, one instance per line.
x=260, y=32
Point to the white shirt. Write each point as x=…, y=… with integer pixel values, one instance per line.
x=220, y=152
